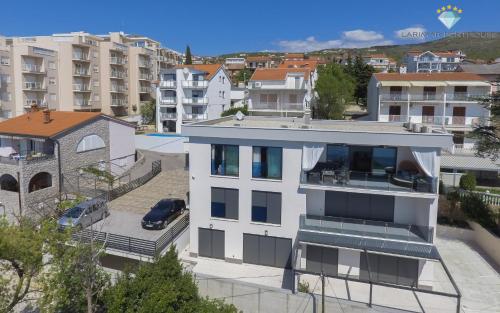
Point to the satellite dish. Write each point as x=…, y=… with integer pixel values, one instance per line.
x=240, y=116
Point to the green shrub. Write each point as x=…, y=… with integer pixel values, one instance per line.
x=304, y=287
x=233, y=111
x=468, y=181
x=475, y=209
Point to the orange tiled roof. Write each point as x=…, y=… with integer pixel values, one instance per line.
x=278, y=73
x=210, y=69
x=294, y=55
x=258, y=58
x=32, y=124
x=453, y=76
x=312, y=64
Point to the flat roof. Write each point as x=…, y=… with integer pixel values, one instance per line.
x=294, y=129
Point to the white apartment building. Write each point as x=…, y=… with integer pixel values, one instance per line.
x=191, y=93
x=380, y=62
x=281, y=91
x=449, y=100
x=316, y=196
x=114, y=74
x=430, y=62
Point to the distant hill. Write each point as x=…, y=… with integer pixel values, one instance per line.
x=484, y=48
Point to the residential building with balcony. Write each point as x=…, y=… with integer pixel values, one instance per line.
x=190, y=93
x=430, y=62
x=234, y=66
x=380, y=62
x=448, y=100
x=38, y=150
x=6, y=76
x=281, y=91
x=489, y=72
x=254, y=62
x=333, y=197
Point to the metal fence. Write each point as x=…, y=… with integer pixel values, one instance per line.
x=131, y=244
x=488, y=198
x=123, y=189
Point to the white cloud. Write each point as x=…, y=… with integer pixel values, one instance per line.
x=357, y=38
x=410, y=32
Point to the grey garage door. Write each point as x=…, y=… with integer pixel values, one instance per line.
x=321, y=259
x=211, y=243
x=267, y=250
x=389, y=269
x=359, y=205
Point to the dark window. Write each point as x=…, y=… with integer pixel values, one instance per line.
x=40, y=181
x=225, y=160
x=337, y=155
x=382, y=159
x=267, y=162
x=460, y=88
x=458, y=138
x=266, y=207
x=9, y=183
x=225, y=203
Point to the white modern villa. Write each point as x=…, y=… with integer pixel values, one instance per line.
x=281, y=91
x=191, y=93
x=431, y=62
x=335, y=197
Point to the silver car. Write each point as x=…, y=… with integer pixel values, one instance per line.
x=84, y=214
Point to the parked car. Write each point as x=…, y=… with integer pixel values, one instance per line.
x=162, y=213
x=84, y=214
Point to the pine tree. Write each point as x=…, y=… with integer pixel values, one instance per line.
x=189, y=57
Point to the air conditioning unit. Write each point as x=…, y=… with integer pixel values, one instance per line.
x=257, y=84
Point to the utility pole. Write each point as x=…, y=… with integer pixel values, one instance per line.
x=322, y=292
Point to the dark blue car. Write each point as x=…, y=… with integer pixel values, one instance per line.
x=162, y=213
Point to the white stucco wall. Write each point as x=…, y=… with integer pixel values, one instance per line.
x=122, y=146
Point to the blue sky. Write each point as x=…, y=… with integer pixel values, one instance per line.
x=221, y=26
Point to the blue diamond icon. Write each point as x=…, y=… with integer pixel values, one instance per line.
x=449, y=18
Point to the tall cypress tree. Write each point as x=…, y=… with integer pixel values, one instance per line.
x=189, y=58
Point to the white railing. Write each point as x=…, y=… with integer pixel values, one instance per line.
x=168, y=116
x=396, y=118
x=38, y=102
x=426, y=96
x=81, y=87
x=32, y=68
x=80, y=56
x=195, y=116
x=168, y=100
x=195, y=83
x=117, y=74
x=33, y=85
x=145, y=76
x=464, y=96
x=117, y=60
x=394, y=97
x=202, y=100
x=115, y=88
x=292, y=106
x=144, y=89
x=81, y=71
x=82, y=102
x=145, y=64
x=168, y=84
x=118, y=102
x=272, y=106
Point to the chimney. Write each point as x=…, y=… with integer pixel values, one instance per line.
x=307, y=116
x=46, y=116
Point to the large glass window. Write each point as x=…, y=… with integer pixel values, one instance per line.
x=266, y=207
x=338, y=156
x=267, y=162
x=224, y=203
x=383, y=160
x=225, y=160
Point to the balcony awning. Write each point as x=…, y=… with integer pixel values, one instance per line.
x=428, y=84
x=376, y=245
x=390, y=83
x=468, y=83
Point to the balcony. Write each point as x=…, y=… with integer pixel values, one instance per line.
x=431, y=96
x=394, y=97
x=145, y=89
x=118, y=102
x=34, y=86
x=145, y=76
x=81, y=56
x=168, y=84
x=117, y=61
x=118, y=88
x=38, y=102
x=195, y=116
x=117, y=75
x=195, y=84
x=397, y=118
x=168, y=100
x=81, y=87
x=168, y=116
x=33, y=68
x=145, y=64
x=464, y=96
x=81, y=102
x=81, y=72
x=195, y=100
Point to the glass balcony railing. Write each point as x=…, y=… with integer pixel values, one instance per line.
x=394, y=97
x=366, y=228
x=32, y=68
x=465, y=96
x=195, y=84
x=34, y=86
x=195, y=116
x=168, y=84
x=327, y=175
x=195, y=100
x=168, y=116
x=168, y=100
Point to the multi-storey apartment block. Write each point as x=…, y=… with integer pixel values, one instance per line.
x=112, y=73
x=429, y=62
x=191, y=93
x=234, y=66
x=38, y=148
x=254, y=62
x=281, y=91
x=449, y=100
x=380, y=62
x=316, y=196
